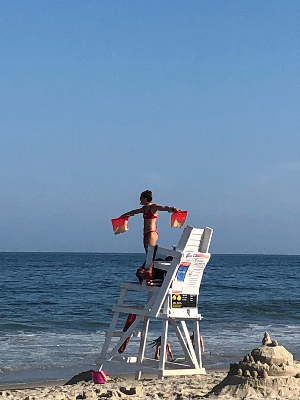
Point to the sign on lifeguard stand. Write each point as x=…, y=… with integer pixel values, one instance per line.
x=186, y=285
x=176, y=301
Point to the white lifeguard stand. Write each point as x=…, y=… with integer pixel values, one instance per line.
x=176, y=300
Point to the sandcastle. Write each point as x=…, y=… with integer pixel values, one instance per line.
x=269, y=370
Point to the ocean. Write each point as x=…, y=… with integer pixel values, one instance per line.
x=55, y=308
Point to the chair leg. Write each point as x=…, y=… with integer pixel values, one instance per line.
x=142, y=346
x=197, y=342
x=143, y=340
x=190, y=345
x=162, y=358
x=109, y=334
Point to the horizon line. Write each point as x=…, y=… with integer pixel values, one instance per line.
x=115, y=252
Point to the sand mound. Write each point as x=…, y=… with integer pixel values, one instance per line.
x=268, y=372
x=249, y=388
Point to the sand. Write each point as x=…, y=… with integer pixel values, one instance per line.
x=214, y=385
x=120, y=387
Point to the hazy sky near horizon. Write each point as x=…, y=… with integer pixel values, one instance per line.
x=196, y=100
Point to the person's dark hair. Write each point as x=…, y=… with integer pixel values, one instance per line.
x=147, y=194
x=156, y=342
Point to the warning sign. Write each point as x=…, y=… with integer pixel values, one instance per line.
x=184, y=300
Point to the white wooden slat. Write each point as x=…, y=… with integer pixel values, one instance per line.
x=195, y=247
x=131, y=310
x=198, y=231
x=177, y=372
x=193, y=244
x=194, y=239
x=196, y=235
x=154, y=363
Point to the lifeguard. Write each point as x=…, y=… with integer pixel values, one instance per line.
x=150, y=214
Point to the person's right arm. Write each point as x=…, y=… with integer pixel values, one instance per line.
x=132, y=212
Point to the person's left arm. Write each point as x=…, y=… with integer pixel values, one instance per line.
x=157, y=207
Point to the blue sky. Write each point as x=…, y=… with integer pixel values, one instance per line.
x=196, y=100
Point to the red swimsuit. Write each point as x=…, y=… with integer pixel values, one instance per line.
x=149, y=215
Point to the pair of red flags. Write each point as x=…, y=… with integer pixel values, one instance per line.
x=120, y=225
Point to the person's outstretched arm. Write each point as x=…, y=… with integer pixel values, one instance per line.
x=158, y=207
x=132, y=213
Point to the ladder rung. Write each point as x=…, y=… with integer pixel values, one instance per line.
x=138, y=310
x=139, y=287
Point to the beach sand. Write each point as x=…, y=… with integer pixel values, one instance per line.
x=149, y=387
x=117, y=387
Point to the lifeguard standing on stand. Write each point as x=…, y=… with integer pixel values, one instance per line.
x=150, y=214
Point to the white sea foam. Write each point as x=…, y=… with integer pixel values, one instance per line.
x=30, y=354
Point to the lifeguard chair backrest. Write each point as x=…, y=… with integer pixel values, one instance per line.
x=195, y=240
x=192, y=240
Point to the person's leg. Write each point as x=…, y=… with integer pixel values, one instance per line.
x=202, y=344
x=150, y=238
x=157, y=353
